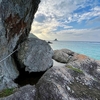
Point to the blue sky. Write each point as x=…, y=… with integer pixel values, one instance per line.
x=70, y=20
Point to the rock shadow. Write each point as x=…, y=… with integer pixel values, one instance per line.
x=25, y=78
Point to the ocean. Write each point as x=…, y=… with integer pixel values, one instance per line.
x=91, y=49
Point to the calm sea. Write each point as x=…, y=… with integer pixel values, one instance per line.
x=91, y=49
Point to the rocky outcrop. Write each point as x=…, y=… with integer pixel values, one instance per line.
x=16, y=17
x=24, y=93
x=35, y=55
x=67, y=83
x=86, y=64
x=76, y=80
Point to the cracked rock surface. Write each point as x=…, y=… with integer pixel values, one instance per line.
x=16, y=17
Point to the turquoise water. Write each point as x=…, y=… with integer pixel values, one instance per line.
x=91, y=49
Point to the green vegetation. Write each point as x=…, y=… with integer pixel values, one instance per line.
x=6, y=92
x=75, y=69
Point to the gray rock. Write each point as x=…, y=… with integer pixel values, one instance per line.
x=24, y=93
x=78, y=80
x=8, y=72
x=16, y=17
x=67, y=83
x=63, y=55
x=86, y=64
x=35, y=55
x=52, y=84
x=31, y=35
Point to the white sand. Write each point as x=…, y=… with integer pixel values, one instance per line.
x=55, y=63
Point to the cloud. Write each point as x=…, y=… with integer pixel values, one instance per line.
x=53, y=19
x=59, y=9
x=95, y=20
x=40, y=18
x=79, y=34
x=88, y=15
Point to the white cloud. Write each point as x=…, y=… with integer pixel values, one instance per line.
x=40, y=18
x=96, y=8
x=58, y=13
x=88, y=15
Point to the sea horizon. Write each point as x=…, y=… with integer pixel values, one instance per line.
x=88, y=48
x=72, y=41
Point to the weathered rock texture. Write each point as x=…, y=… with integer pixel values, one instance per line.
x=35, y=55
x=63, y=56
x=16, y=17
x=67, y=83
x=84, y=73
x=86, y=64
x=79, y=79
x=25, y=93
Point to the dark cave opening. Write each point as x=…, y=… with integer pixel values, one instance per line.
x=25, y=78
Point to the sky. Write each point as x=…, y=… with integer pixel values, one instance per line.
x=67, y=20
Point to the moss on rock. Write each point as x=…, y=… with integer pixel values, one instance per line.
x=7, y=92
x=75, y=69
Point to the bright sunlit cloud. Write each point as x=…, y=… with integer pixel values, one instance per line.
x=77, y=20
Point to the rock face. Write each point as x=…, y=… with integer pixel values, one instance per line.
x=16, y=17
x=87, y=84
x=35, y=55
x=25, y=93
x=67, y=83
x=86, y=64
x=78, y=79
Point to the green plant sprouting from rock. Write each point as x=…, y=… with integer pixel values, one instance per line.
x=75, y=69
x=7, y=92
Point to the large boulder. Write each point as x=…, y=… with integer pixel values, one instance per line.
x=63, y=55
x=16, y=17
x=67, y=83
x=35, y=55
x=24, y=93
x=77, y=80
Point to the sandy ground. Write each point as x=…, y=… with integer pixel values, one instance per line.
x=55, y=63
